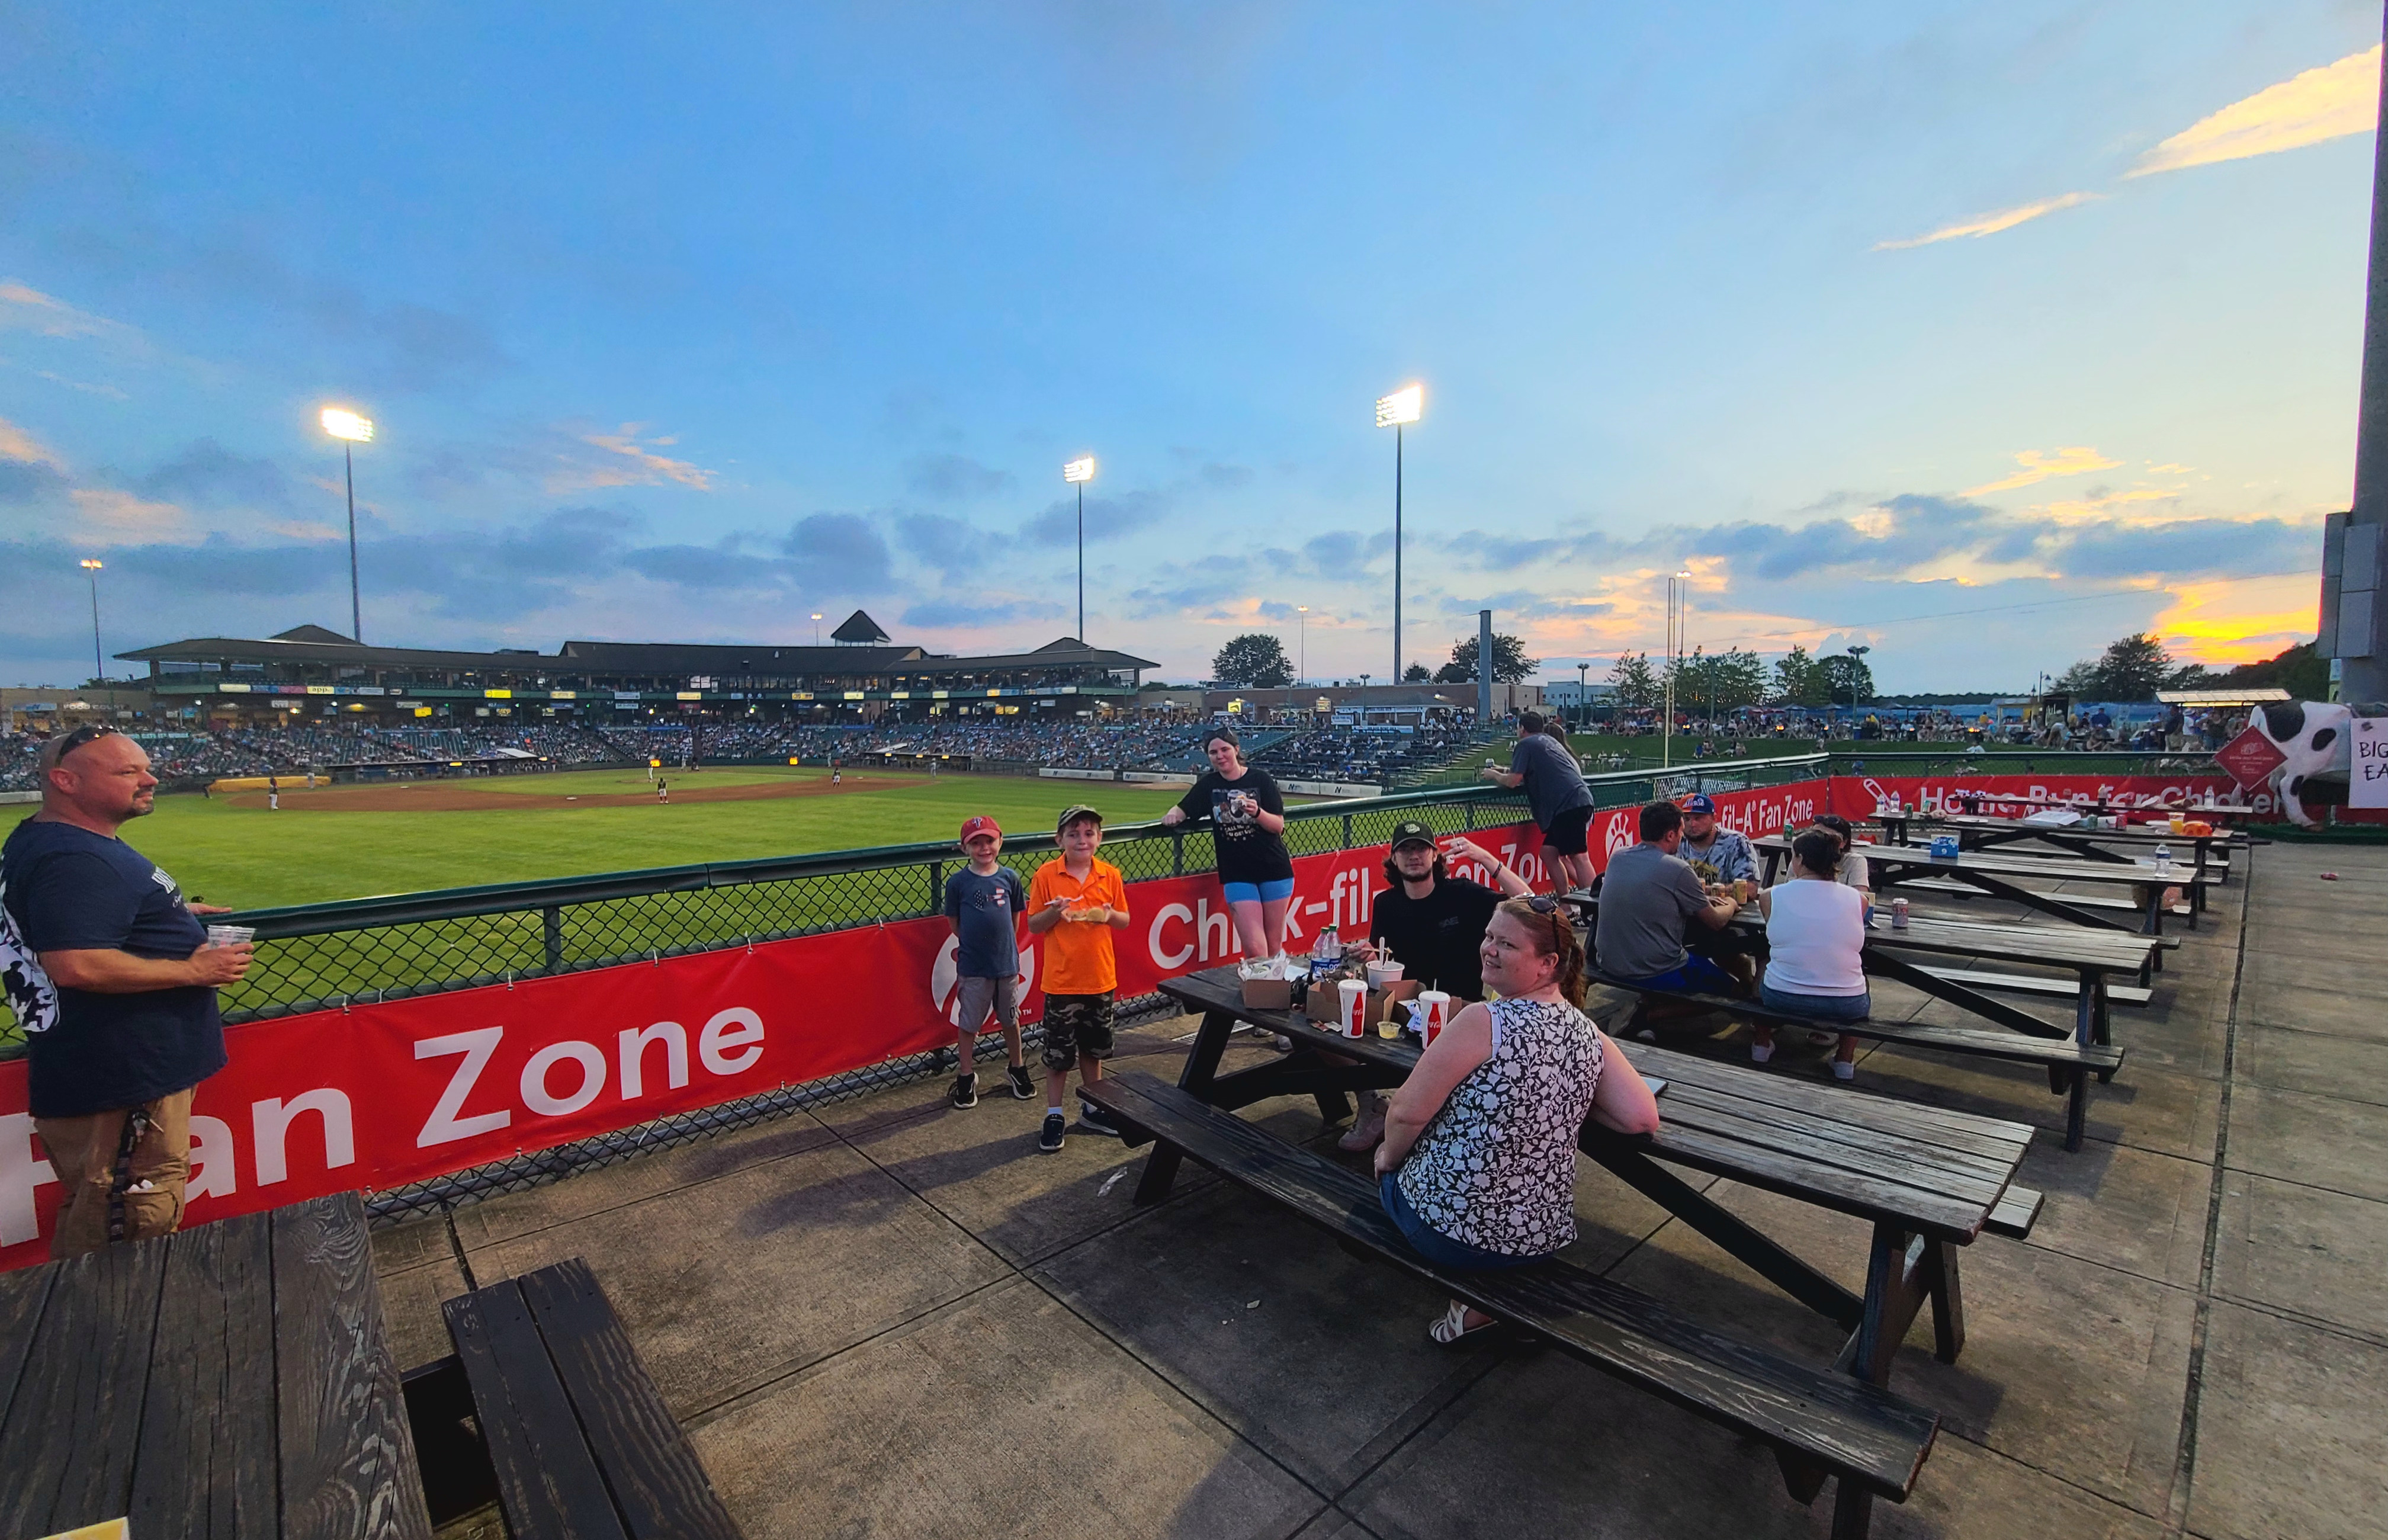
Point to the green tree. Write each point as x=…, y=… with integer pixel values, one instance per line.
x=1416, y=674
x=2131, y=668
x=1801, y=679
x=2295, y=669
x=1712, y=686
x=1255, y=660
x=1846, y=678
x=1636, y=681
x=1510, y=664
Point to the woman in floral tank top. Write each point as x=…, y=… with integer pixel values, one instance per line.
x=1477, y=1167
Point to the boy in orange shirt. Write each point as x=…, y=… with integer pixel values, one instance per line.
x=1075, y=903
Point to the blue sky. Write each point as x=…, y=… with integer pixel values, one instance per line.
x=1981, y=333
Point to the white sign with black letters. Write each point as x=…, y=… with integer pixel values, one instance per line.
x=2367, y=769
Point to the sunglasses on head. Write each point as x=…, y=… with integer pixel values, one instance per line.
x=1543, y=903
x=82, y=735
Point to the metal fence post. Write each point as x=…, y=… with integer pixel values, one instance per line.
x=1470, y=808
x=936, y=887
x=1347, y=831
x=552, y=925
x=1177, y=855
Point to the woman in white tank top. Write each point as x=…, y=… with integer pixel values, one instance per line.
x=1815, y=941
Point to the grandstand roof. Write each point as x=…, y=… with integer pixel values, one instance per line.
x=315, y=644
x=858, y=629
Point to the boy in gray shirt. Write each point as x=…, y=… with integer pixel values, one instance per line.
x=984, y=901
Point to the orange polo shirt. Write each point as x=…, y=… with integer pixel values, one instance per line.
x=1078, y=956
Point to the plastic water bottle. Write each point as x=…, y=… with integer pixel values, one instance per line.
x=2163, y=859
x=1326, y=953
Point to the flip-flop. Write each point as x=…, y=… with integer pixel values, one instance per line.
x=1451, y=1328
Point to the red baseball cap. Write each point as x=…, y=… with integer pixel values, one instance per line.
x=979, y=825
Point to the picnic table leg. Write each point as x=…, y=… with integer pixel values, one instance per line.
x=1852, y=1510
x=1948, y=1300
x=1746, y=1245
x=1894, y=1291
x=2077, y=1108
x=1201, y=1068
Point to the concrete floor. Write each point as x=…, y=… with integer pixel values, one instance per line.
x=891, y=1319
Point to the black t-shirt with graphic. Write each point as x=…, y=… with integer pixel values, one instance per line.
x=70, y=890
x=1436, y=939
x=1248, y=853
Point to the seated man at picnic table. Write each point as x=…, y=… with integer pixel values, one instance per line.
x=1478, y=1165
x=1433, y=923
x=1646, y=896
x=1727, y=851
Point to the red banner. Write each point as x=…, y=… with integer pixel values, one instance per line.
x=379, y=1096
x=1856, y=795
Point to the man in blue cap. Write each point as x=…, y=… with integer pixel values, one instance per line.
x=1725, y=850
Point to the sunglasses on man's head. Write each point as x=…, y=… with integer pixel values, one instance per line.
x=82, y=735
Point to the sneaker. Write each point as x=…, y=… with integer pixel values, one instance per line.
x=1760, y=1052
x=1050, y=1140
x=965, y=1091
x=1092, y=1118
x=1844, y=1069
x=1022, y=1088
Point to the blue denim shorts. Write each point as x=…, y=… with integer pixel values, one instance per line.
x=1431, y=1244
x=1822, y=1008
x=1699, y=974
x=1258, y=893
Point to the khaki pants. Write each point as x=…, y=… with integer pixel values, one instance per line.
x=121, y=1180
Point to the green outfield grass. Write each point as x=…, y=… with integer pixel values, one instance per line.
x=309, y=852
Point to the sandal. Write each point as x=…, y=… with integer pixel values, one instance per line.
x=1451, y=1328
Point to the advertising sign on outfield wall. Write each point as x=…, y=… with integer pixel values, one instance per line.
x=379, y=1096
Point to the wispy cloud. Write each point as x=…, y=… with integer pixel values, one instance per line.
x=2072, y=460
x=24, y=308
x=2327, y=103
x=636, y=463
x=19, y=445
x=1991, y=223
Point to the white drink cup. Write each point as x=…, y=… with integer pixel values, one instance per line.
x=1383, y=975
x=1354, y=1007
x=1433, y=1014
x=231, y=936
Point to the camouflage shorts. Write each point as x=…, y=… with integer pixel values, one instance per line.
x=1075, y=1027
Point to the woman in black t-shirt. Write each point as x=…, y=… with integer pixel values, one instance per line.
x=1247, y=816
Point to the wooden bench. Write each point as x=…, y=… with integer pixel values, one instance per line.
x=2069, y=1063
x=579, y=1440
x=1819, y=1423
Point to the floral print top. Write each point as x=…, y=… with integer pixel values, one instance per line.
x=1496, y=1167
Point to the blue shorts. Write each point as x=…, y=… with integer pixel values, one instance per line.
x=1259, y=893
x=1698, y=976
x=1431, y=1242
x=1822, y=1008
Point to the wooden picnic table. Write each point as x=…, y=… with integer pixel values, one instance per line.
x=227, y=1380
x=1983, y=832
x=1929, y=1180
x=1994, y=872
x=2094, y=958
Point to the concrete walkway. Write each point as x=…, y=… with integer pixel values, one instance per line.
x=895, y=1319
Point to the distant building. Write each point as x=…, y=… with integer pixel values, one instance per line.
x=1566, y=693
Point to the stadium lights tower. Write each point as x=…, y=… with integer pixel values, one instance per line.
x=91, y=567
x=1679, y=605
x=1077, y=473
x=351, y=430
x=816, y=621
x=1398, y=411
x=1302, y=645
x=1858, y=654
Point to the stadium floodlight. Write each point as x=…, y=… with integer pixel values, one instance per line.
x=1077, y=473
x=91, y=567
x=1302, y=646
x=816, y=621
x=1402, y=407
x=351, y=429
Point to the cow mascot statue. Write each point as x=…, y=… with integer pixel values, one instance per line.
x=2314, y=737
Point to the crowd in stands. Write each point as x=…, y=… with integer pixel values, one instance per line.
x=1023, y=740
x=1348, y=754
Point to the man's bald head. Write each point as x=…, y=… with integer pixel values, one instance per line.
x=97, y=780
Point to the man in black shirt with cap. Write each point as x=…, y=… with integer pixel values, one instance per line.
x=1433, y=923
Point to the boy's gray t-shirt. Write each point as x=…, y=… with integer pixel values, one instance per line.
x=984, y=909
x=1553, y=781
x=1645, y=899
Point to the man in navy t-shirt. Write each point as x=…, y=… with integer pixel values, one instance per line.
x=111, y=975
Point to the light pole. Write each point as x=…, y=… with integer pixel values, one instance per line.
x=91, y=569
x=1582, y=694
x=1364, y=698
x=1302, y=646
x=1397, y=410
x=1856, y=653
x=351, y=430
x=816, y=621
x=1077, y=473
x=1679, y=582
